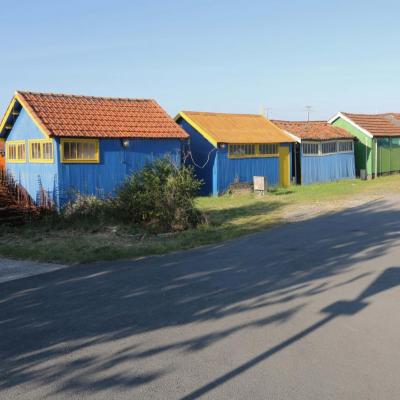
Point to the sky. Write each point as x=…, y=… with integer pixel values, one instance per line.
x=222, y=56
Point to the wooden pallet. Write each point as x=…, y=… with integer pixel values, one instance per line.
x=16, y=207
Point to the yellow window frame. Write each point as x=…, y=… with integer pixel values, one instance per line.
x=95, y=160
x=40, y=160
x=15, y=143
x=257, y=152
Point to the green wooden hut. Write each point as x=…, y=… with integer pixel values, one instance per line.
x=377, y=146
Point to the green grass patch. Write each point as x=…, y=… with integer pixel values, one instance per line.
x=227, y=216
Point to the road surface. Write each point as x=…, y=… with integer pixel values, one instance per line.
x=309, y=310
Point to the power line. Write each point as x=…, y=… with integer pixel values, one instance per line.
x=190, y=154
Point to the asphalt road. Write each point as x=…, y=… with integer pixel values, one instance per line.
x=17, y=269
x=309, y=310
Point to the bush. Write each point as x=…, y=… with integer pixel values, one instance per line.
x=160, y=197
x=88, y=207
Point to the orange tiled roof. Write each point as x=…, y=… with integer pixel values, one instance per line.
x=387, y=124
x=83, y=116
x=313, y=130
x=236, y=128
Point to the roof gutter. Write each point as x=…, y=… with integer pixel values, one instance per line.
x=294, y=137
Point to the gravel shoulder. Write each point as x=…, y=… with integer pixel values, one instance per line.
x=16, y=269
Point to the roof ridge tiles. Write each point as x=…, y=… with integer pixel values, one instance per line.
x=297, y=121
x=369, y=114
x=52, y=94
x=222, y=113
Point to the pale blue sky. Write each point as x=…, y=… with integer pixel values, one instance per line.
x=228, y=55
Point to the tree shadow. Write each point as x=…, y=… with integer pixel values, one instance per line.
x=388, y=279
x=82, y=309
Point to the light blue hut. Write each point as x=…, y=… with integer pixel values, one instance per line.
x=322, y=152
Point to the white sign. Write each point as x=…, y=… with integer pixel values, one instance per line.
x=259, y=183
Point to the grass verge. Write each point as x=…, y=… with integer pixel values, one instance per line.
x=228, y=217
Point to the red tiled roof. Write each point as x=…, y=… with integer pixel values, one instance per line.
x=83, y=116
x=387, y=124
x=313, y=130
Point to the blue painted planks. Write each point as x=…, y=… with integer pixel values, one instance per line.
x=244, y=169
x=203, y=157
x=331, y=167
x=33, y=176
x=116, y=163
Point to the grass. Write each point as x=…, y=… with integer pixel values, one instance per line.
x=228, y=217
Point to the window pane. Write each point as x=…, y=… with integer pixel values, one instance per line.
x=89, y=151
x=11, y=151
x=35, y=149
x=234, y=150
x=84, y=151
x=268, y=149
x=74, y=151
x=67, y=151
x=310, y=148
x=48, y=151
x=329, y=147
x=79, y=151
x=92, y=150
x=21, y=152
x=346, y=146
x=45, y=155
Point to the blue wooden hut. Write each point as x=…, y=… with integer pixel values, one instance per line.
x=63, y=144
x=322, y=152
x=230, y=148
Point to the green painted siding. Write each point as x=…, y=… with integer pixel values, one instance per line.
x=383, y=155
x=388, y=155
x=363, y=151
x=395, y=159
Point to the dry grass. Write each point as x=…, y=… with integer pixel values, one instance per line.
x=228, y=217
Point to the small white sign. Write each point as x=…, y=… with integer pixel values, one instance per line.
x=259, y=183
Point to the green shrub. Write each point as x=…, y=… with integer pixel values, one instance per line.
x=88, y=207
x=160, y=197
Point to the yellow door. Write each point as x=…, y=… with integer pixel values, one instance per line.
x=284, y=165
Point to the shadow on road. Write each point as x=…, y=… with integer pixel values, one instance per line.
x=47, y=316
x=387, y=280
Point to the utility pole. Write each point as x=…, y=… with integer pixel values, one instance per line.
x=265, y=111
x=308, y=109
